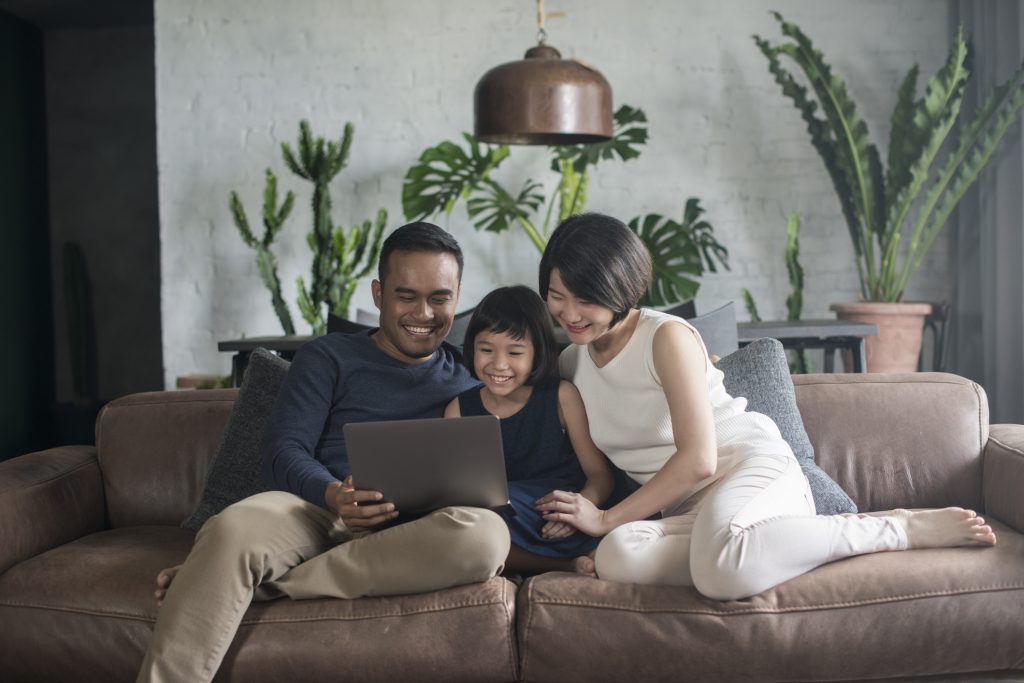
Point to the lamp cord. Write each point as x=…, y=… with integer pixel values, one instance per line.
x=541, y=33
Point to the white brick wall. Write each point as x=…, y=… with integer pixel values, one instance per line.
x=234, y=78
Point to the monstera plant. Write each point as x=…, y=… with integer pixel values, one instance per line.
x=894, y=214
x=449, y=173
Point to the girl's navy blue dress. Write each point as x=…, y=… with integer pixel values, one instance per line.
x=538, y=459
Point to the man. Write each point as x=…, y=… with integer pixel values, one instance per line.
x=308, y=538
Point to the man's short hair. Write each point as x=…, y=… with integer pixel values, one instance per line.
x=418, y=236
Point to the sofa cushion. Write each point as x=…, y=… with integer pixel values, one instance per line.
x=879, y=616
x=154, y=451
x=759, y=372
x=85, y=611
x=234, y=473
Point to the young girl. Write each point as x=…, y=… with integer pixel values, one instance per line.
x=510, y=347
x=737, y=513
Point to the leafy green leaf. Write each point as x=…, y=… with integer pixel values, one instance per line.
x=630, y=131
x=494, y=209
x=934, y=117
x=446, y=173
x=977, y=144
x=751, y=305
x=821, y=138
x=795, y=301
x=905, y=139
x=857, y=158
x=676, y=260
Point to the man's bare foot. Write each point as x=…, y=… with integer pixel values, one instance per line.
x=163, y=582
x=584, y=564
x=944, y=528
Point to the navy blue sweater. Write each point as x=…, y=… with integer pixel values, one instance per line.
x=341, y=378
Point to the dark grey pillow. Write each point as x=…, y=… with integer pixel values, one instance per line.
x=759, y=372
x=234, y=473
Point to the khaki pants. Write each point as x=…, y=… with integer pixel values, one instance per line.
x=276, y=544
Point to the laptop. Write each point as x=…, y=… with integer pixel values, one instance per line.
x=425, y=465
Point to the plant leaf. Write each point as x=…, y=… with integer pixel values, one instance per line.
x=977, y=143
x=795, y=301
x=857, y=158
x=751, y=305
x=494, y=209
x=933, y=119
x=676, y=260
x=905, y=140
x=821, y=139
x=629, y=131
x=446, y=173
x=680, y=253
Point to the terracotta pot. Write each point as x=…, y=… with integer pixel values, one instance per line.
x=897, y=345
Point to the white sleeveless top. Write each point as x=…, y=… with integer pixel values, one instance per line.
x=629, y=416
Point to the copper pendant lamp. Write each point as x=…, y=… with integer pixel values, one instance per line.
x=542, y=99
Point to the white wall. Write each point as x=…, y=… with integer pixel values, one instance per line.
x=234, y=78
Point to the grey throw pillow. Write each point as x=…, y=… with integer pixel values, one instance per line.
x=759, y=373
x=234, y=473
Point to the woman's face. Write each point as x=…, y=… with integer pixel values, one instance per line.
x=582, y=320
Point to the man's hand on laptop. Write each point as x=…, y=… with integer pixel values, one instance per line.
x=358, y=509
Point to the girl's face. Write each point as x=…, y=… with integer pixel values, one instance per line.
x=502, y=363
x=582, y=320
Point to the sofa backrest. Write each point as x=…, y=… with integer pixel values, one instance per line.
x=905, y=440
x=910, y=440
x=154, y=450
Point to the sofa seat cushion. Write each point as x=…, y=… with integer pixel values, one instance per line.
x=92, y=601
x=876, y=616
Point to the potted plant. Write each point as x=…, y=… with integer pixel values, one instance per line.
x=894, y=214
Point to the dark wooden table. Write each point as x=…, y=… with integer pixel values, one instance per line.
x=284, y=346
x=827, y=335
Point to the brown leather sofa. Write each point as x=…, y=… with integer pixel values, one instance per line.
x=83, y=531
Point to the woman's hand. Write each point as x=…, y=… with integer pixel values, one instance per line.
x=574, y=510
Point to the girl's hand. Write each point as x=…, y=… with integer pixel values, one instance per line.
x=557, y=530
x=575, y=510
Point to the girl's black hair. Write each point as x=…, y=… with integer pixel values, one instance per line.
x=600, y=260
x=520, y=312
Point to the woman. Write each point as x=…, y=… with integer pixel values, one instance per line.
x=737, y=514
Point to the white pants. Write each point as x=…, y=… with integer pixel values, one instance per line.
x=752, y=529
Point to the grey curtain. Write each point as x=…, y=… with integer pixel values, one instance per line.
x=987, y=325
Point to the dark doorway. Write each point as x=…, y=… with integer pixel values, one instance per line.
x=85, y=287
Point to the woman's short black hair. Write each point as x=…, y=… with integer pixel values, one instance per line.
x=520, y=312
x=418, y=236
x=600, y=260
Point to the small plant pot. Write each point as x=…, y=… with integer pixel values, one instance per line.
x=897, y=345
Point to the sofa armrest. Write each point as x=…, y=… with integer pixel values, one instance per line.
x=1003, y=475
x=46, y=499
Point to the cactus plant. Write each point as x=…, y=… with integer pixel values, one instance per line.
x=340, y=257
x=798, y=363
x=273, y=218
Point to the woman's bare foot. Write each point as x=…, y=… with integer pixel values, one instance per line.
x=584, y=564
x=943, y=528
x=163, y=582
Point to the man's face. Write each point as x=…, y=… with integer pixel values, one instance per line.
x=417, y=303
